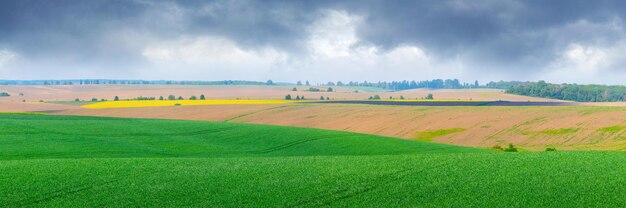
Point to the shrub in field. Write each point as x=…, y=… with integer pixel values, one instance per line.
x=116, y=98
x=161, y=98
x=94, y=99
x=497, y=147
x=429, y=96
x=193, y=97
x=401, y=97
x=511, y=148
x=202, y=97
x=4, y=94
x=375, y=97
x=550, y=149
x=180, y=98
x=297, y=97
x=330, y=89
x=171, y=97
x=76, y=100
x=294, y=89
x=321, y=97
x=288, y=97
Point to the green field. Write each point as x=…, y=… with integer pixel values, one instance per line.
x=66, y=161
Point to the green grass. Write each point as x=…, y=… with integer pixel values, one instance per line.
x=65, y=161
x=556, y=132
x=612, y=129
x=428, y=136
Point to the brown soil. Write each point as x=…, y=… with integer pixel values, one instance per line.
x=87, y=92
x=533, y=128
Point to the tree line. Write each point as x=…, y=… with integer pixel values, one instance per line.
x=573, y=92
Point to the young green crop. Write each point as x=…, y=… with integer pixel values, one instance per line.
x=67, y=161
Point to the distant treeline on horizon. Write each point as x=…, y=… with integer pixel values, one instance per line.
x=573, y=92
x=394, y=85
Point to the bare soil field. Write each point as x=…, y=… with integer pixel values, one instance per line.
x=19, y=106
x=87, y=92
x=533, y=128
x=576, y=126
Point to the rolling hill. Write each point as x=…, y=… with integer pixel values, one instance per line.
x=96, y=161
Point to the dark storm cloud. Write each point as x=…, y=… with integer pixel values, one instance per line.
x=490, y=36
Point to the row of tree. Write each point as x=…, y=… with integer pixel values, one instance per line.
x=170, y=97
x=573, y=92
x=313, y=89
x=405, y=85
x=377, y=97
x=130, y=82
x=4, y=94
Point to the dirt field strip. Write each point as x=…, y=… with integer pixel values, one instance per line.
x=163, y=103
x=530, y=127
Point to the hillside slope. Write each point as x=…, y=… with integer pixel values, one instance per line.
x=69, y=161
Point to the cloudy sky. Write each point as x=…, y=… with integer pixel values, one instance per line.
x=554, y=40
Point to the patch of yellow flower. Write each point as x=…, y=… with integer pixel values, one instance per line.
x=162, y=103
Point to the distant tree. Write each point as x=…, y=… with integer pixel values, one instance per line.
x=307, y=83
x=202, y=97
x=294, y=89
x=298, y=97
x=401, y=97
x=302, y=97
x=288, y=97
x=76, y=100
x=390, y=97
x=321, y=97
x=181, y=98
x=550, y=149
x=171, y=97
x=511, y=148
x=429, y=96
x=330, y=89
x=161, y=98
x=330, y=84
x=269, y=82
x=299, y=83
x=476, y=84
x=193, y=97
x=327, y=98
x=116, y=98
x=21, y=94
x=94, y=99
x=103, y=100
x=375, y=97
x=339, y=83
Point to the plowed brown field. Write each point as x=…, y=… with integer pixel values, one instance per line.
x=597, y=127
x=533, y=128
x=87, y=92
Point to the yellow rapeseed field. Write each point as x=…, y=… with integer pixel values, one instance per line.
x=161, y=103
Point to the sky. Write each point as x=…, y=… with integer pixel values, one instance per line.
x=559, y=41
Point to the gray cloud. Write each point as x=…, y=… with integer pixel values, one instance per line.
x=484, y=39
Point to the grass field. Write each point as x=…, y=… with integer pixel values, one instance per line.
x=57, y=161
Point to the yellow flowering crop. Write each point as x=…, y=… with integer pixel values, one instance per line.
x=161, y=103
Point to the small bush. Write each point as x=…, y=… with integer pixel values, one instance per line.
x=511, y=148
x=497, y=147
x=550, y=149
